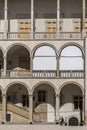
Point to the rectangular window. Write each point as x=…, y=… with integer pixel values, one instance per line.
x=51, y=29
x=24, y=29
x=77, y=26
x=24, y=62
x=8, y=117
x=8, y=98
x=78, y=102
x=25, y=101
x=86, y=27
x=41, y=96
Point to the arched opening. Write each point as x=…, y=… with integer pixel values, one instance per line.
x=44, y=106
x=71, y=102
x=44, y=62
x=71, y=58
x=73, y=121
x=0, y=106
x=18, y=61
x=17, y=103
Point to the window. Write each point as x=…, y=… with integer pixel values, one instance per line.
x=25, y=101
x=41, y=96
x=8, y=117
x=86, y=27
x=78, y=102
x=24, y=62
x=24, y=29
x=8, y=98
x=12, y=97
x=77, y=26
x=51, y=28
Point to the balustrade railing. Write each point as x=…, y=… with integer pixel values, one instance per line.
x=40, y=35
x=19, y=35
x=44, y=73
x=70, y=35
x=18, y=73
x=71, y=74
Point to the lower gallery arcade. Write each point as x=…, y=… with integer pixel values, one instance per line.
x=43, y=103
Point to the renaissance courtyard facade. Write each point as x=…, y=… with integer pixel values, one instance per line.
x=43, y=61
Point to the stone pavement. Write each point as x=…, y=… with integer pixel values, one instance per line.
x=40, y=127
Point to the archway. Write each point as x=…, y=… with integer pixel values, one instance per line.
x=71, y=102
x=72, y=56
x=43, y=56
x=18, y=61
x=44, y=105
x=17, y=103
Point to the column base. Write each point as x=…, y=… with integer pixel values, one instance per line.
x=3, y=122
x=30, y=122
x=86, y=119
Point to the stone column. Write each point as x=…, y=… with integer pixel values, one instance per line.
x=30, y=109
x=85, y=78
x=5, y=19
x=32, y=18
x=58, y=58
x=3, y=108
x=31, y=65
x=5, y=66
x=58, y=20
x=83, y=19
x=57, y=107
x=83, y=109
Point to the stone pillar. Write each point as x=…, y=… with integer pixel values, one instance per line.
x=31, y=65
x=5, y=66
x=3, y=108
x=83, y=19
x=58, y=20
x=58, y=58
x=83, y=109
x=32, y=18
x=5, y=19
x=30, y=109
x=85, y=84
x=57, y=107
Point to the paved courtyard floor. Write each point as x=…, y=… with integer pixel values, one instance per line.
x=40, y=127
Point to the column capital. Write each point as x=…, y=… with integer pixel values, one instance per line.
x=4, y=57
x=4, y=95
x=57, y=95
x=30, y=95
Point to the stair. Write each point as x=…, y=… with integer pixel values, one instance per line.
x=18, y=110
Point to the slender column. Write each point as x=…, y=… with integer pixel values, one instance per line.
x=57, y=106
x=85, y=83
x=3, y=107
x=5, y=66
x=31, y=65
x=83, y=18
x=30, y=109
x=58, y=58
x=5, y=18
x=58, y=20
x=32, y=18
x=83, y=109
